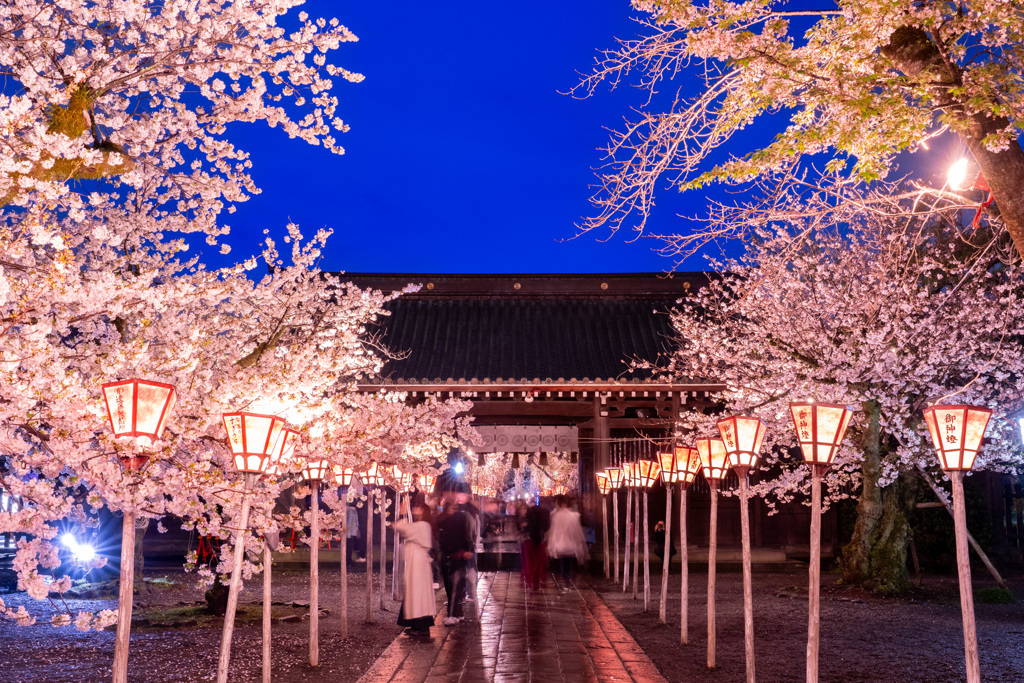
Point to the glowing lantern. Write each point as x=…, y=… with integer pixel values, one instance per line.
x=343, y=475
x=628, y=474
x=427, y=482
x=680, y=465
x=616, y=477
x=957, y=432
x=742, y=435
x=373, y=476
x=138, y=408
x=252, y=439
x=284, y=449
x=315, y=470
x=647, y=472
x=713, y=458
x=604, y=487
x=819, y=429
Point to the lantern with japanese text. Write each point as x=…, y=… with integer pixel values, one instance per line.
x=252, y=439
x=742, y=435
x=820, y=428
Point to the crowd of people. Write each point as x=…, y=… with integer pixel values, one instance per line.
x=441, y=549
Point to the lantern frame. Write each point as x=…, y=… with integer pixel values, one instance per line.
x=426, y=482
x=140, y=387
x=244, y=427
x=342, y=475
x=372, y=475
x=604, y=486
x=628, y=475
x=315, y=470
x=742, y=436
x=649, y=472
x=283, y=451
x=679, y=465
x=819, y=439
x=714, y=460
x=957, y=441
x=616, y=477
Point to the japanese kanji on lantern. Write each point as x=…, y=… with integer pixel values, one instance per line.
x=138, y=408
x=252, y=438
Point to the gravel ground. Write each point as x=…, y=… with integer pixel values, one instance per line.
x=864, y=637
x=45, y=654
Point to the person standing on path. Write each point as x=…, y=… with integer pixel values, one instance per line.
x=418, y=606
x=565, y=541
x=456, y=544
x=535, y=557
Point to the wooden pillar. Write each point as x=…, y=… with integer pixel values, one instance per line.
x=604, y=526
x=383, y=544
x=963, y=564
x=712, y=558
x=814, y=584
x=369, y=558
x=267, y=605
x=748, y=602
x=666, y=556
x=615, y=523
x=684, y=558
x=236, y=580
x=636, y=540
x=602, y=461
x=125, y=596
x=629, y=536
x=314, y=573
x=344, y=563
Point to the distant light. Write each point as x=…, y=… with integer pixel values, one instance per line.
x=957, y=177
x=459, y=468
x=84, y=553
x=69, y=541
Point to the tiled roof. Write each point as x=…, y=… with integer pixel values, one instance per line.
x=484, y=329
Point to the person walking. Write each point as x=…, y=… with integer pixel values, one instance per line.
x=456, y=542
x=534, y=556
x=565, y=541
x=418, y=607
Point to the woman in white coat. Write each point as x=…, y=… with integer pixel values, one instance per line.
x=418, y=606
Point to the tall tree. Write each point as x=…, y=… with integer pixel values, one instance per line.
x=846, y=86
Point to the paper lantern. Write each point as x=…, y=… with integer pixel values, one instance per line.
x=283, y=451
x=373, y=475
x=742, y=435
x=649, y=471
x=628, y=476
x=252, y=439
x=316, y=470
x=343, y=475
x=957, y=432
x=819, y=429
x=604, y=486
x=713, y=458
x=616, y=477
x=138, y=408
x=680, y=465
x=427, y=482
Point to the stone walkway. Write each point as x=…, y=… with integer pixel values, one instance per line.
x=515, y=635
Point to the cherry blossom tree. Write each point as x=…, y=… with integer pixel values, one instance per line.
x=847, y=86
x=877, y=314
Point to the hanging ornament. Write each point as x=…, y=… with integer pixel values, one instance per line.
x=515, y=461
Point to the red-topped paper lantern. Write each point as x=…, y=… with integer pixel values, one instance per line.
x=680, y=465
x=138, y=408
x=252, y=438
x=427, y=482
x=616, y=477
x=629, y=477
x=957, y=432
x=648, y=473
x=316, y=470
x=283, y=451
x=742, y=435
x=604, y=486
x=819, y=429
x=343, y=475
x=713, y=458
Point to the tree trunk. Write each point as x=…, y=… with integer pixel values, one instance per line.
x=876, y=556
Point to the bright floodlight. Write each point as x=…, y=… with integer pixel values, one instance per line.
x=84, y=553
x=958, y=174
x=458, y=468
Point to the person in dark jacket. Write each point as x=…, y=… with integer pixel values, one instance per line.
x=456, y=541
x=535, y=554
x=659, y=541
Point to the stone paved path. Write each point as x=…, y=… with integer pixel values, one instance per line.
x=515, y=635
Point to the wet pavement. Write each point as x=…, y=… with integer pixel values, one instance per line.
x=511, y=634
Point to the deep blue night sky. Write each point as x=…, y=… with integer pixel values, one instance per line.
x=463, y=156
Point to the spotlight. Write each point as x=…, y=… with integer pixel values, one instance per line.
x=459, y=468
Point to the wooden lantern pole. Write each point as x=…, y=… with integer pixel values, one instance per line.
x=604, y=526
x=666, y=556
x=615, y=520
x=236, y=580
x=684, y=599
x=383, y=545
x=963, y=564
x=267, y=604
x=629, y=535
x=814, y=585
x=396, y=552
x=712, y=558
x=125, y=596
x=636, y=541
x=369, y=558
x=647, y=553
x=748, y=601
x=314, y=573
x=344, y=563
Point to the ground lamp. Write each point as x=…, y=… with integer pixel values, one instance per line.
x=819, y=429
x=742, y=435
x=650, y=470
x=957, y=432
x=282, y=453
x=714, y=463
x=314, y=472
x=252, y=439
x=615, y=481
x=604, y=487
x=137, y=409
x=678, y=466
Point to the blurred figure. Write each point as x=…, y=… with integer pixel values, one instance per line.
x=565, y=541
x=456, y=541
x=534, y=555
x=351, y=533
x=417, y=613
x=659, y=541
x=465, y=502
